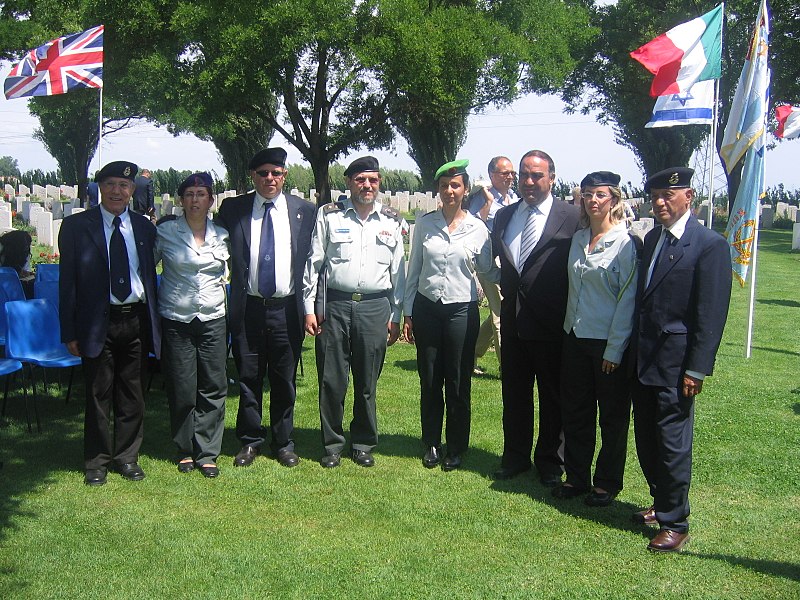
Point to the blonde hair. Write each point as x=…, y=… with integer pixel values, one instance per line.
x=617, y=212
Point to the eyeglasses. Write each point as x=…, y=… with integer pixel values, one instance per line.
x=192, y=195
x=371, y=180
x=266, y=173
x=505, y=173
x=601, y=196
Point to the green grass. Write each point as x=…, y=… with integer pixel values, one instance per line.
x=401, y=531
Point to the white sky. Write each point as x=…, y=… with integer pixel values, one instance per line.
x=577, y=143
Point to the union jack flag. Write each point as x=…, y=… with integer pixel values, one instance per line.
x=70, y=62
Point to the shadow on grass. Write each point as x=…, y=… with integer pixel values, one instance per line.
x=738, y=347
x=789, y=571
x=796, y=407
x=788, y=303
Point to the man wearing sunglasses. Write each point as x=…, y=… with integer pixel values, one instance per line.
x=270, y=236
x=358, y=249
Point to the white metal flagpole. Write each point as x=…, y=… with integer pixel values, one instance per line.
x=100, y=137
x=712, y=151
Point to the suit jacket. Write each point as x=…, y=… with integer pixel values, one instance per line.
x=235, y=215
x=535, y=301
x=84, y=282
x=681, y=314
x=143, y=196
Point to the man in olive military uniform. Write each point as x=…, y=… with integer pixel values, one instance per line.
x=357, y=268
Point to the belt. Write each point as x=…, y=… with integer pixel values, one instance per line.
x=125, y=309
x=355, y=296
x=271, y=302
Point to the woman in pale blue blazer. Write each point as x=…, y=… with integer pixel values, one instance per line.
x=194, y=254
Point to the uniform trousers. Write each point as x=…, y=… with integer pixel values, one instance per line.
x=490, y=328
x=353, y=338
x=663, y=424
x=584, y=390
x=114, y=381
x=526, y=362
x=269, y=344
x=445, y=337
x=194, y=356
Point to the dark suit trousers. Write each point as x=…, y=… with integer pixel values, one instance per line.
x=663, y=423
x=584, y=389
x=114, y=379
x=526, y=361
x=445, y=336
x=269, y=344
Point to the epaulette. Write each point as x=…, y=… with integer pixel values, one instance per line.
x=392, y=213
x=332, y=207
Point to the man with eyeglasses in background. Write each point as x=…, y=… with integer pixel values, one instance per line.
x=532, y=239
x=357, y=247
x=484, y=203
x=270, y=237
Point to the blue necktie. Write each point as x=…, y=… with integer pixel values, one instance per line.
x=266, y=259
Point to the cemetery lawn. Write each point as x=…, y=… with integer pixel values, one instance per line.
x=401, y=531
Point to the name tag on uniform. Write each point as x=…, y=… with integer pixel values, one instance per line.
x=342, y=230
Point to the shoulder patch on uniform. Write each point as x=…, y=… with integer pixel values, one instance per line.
x=391, y=213
x=332, y=207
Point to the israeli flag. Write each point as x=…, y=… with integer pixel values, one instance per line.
x=692, y=107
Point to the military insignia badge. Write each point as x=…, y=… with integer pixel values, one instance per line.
x=673, y=179
x=127, y=171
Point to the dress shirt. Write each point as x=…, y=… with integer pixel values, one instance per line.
x=193, y=279
x=512, y=236
x=284, y=284
x=478, y=200
x=602, y=289
x=358, y=256
x=126, y=229
x=442, y=264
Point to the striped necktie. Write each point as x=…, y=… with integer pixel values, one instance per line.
x=529, y=238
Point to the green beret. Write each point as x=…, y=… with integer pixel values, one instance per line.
x=453, y=168
x=118, y=168
x=672, y=178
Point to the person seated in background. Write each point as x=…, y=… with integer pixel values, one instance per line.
x=15, y=252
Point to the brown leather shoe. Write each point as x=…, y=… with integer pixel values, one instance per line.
x=245, y=457
x=668, y=541
x=646, y=517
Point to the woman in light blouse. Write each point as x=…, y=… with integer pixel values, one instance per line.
x=602, y=285
x=191, y=301
x=441, y=313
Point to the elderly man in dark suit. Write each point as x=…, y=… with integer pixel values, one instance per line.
x=532, y=238
x=270, y=237
x=107, y=291
x=682, y=305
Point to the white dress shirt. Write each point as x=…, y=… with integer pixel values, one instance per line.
x=126, y=229
x=512, y=236
x=284, y=284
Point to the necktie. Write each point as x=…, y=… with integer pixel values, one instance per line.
x=661, y=257
x=529, y=238
x=266, y=264
x=119, y=267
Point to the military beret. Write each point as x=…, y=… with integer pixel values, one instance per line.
x=365, y=164
x=196, y=180
x=453, y=168
x=272, y=156
x=672, y=178
x=600, y=178
x=118, y=168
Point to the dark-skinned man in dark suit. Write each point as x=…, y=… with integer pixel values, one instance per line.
x=107, y=294
x=266, y=314
x=532, y=239
x=682, y=305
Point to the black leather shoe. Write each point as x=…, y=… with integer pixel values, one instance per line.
x=209, y=471
x=567, y=492
x=95, y=477
x=504, y=473
x=363, y=459
x=433, y=456
x=550, y=481
x=245, y=457
x=596, y=498
x=451, y=462
x=131, y=471
x=288, y=458
x=329, y=461
x=186, y=466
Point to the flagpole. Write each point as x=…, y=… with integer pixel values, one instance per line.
x=712, y=150
x=100, y=136
x=751, y=308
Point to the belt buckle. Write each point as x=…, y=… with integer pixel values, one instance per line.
x=356, y=297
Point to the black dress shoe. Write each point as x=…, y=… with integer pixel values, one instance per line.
x=245, y=457
x=362, y=458
x=329, y=461
x=131, y=471
x=209, y=471
x=567, y=492
x=288, y=458
x=95, y=477
x=596, y=498
x=186, y=466
x=433, y=456
x=504, y=473
x=451, y=462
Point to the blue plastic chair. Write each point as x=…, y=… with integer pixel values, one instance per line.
x=47, y=289
x=10, y=289
x=7, y=367
x=33, y=339
x=47, y=272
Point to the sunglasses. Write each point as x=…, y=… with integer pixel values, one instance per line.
x=275, y=173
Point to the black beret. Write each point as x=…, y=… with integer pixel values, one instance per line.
x=272, y=156
x=600, y=178
x=196, y=180
x=118, y=168
x=365, y=164
x=672, y=178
